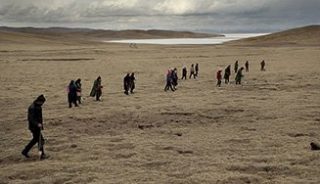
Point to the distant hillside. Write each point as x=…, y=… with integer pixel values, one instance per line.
x=306, y=36
x=9, y=34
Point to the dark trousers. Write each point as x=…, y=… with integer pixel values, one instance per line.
x=238, y=81
x=184, y=77
x=72, y=99
x=192, y=74
x=126, y=89
x=226, y=80
x=168, y=85
x=98, y=95
x=36, y=138
x=133, y=86
x=219, y=83
x=174, y=83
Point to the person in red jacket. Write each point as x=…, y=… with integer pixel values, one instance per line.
x=219, y=77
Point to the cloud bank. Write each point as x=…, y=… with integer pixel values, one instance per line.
x=211, y=15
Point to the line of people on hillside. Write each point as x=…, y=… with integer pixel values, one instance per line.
x=237, y=71
x=75, y=89
x=172, y=76
x=194, y=71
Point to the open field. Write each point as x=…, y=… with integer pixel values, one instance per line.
x=255, y=133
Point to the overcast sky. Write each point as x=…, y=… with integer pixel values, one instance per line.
x=195, y=15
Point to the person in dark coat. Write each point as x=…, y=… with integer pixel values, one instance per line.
x=247, y=66
x=72, y=94
x=126, y=84
x=227, y=73
x=192, y=72
x=169, y=82
x=96, y=89
x=132, y=82
x=79, y=89
x=184, y=73
x=197, y=69
x=219, y=78
x=315, y=146
x=263, y=64
x=236, y=65
x=239, y=76
x=174, y=77
x=35, y=126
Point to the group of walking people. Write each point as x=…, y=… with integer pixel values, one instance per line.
x=74, y=93
x=171, y=80
x=35, y=119
x=172, y=76
x=194, y=71
x=75, y=87
x=129, y=83
x=237, y=71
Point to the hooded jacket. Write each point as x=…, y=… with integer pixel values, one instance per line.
x=35, y=113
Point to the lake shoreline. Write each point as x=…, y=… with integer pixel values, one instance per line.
x=190, y=41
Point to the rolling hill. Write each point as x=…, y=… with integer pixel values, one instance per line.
x=58, y=34
x=304, y=36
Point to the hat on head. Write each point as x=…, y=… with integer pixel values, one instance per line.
x=41, y=98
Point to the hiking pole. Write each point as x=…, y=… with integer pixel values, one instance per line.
x=39, y=145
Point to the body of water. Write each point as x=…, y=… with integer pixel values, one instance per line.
x=187, y=41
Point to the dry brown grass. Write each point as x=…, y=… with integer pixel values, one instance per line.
x=255, y=133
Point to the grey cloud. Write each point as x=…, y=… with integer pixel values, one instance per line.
x=216, y=15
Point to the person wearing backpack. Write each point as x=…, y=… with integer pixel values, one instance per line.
x=239, y=76
x=96, y=90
